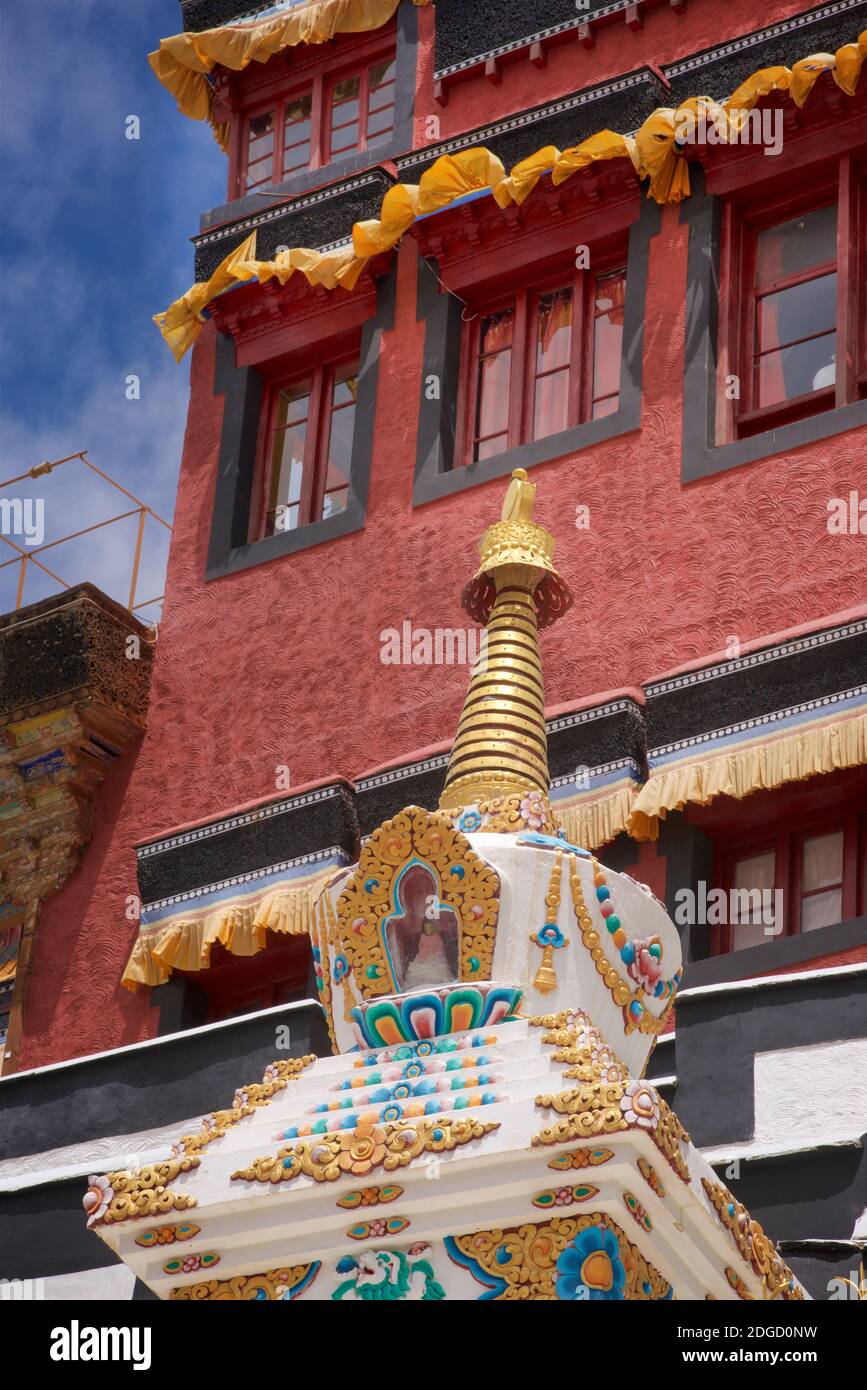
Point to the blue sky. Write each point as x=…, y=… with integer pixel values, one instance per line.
x=94, y=240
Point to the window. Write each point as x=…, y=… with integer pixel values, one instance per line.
x=233, y=986
x=361, y=109
x=542, y=360
x=798, y=343
x=309, y=428
x=801, y=879
x=317, y=123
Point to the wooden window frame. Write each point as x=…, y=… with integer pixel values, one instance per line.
x=237, y=986
x=844, y=186
x=327, y=109
x=316, y=77
x=522, y=297
x=786, y=843
x=317, y=442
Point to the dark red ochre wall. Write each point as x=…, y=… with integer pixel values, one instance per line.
x=666, y=37
x=279, y=664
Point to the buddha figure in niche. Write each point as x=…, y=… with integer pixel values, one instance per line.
x=423, y=933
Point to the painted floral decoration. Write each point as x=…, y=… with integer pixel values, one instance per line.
x=639, y=1105
x=469, y=821
x=645, y=965
x=362, y=1150
x=341, y=968
x=96, y=1199
x=533, y=810
x=591, y=1267
x=550, y=935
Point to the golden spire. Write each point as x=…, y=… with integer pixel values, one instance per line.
x=501, y=744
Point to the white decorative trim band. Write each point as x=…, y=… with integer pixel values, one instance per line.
x=742, y=663
x=205, y=832
x=760, y=722
x=333, y=855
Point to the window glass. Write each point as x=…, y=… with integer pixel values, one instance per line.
x=380, y=101
x=342, y=427
x=345, y=115
x=491, y=434
x=288, y=459
x=798, y=245
x=260, y=149
x=553, y=351
x=796, y=307
x=752, y=901
x=609, y=299
x=297, y=132
x=821, y=880
x=796, y=340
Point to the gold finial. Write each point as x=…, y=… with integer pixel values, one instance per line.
x=520, y=498
x=501, y=743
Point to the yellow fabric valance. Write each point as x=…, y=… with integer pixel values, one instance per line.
x=595, y=819
x=240, y=925
x=652, y=152
x=182, y=62
x=759, y=765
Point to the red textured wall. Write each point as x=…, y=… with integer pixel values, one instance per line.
x=280, y=664
x=665, y=37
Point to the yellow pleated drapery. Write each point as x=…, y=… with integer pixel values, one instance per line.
x=594, y=820
x=652, y=151
x=240, y=925
x=758, y=765
x=182, y=63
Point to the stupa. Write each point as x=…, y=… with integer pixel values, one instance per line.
x=493, y=994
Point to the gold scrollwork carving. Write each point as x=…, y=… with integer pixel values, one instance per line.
x=580, y=1158
x=248, y=1099
x=525, y=1260
x=277, y=1284
x=737, y=1284
x=651, y=1177
x=363, y=1150
x=757, y=1249
x=140, y=1192
x=466, y=885
x=611, y=1107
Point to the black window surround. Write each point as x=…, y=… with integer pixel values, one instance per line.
x=230, y=549
x=700, y=457
x=399, y=141
x=435, y=475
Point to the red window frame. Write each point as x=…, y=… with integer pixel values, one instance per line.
x=317, y=443
x=787, y=843
x=364, y=112
x=318, y=84
x=233, y=986
x=523, y=300
x=846, y=187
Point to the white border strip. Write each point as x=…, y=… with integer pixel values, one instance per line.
x=158, y=1042
x=761, y=981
